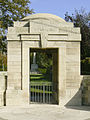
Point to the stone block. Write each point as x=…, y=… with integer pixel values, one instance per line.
x=21, y=24
x=18, y=30
x=3, y=87
x=17, y=97
x=2, y=98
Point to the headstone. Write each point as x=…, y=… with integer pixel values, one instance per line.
x=34, y=66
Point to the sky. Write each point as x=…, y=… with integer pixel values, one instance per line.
x=59, y=7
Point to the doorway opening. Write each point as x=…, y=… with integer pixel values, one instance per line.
x=44, y=75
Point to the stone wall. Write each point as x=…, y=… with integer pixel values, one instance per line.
x=86, y=90
x=3, y=87
x=14, y=65
x=73, y=78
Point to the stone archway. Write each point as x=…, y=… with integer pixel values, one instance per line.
x=43, y=31
x=43, y=85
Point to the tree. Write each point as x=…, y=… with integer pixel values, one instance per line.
x=45, y=62
x=11, y=10
x=3, y=62
x=82, y=19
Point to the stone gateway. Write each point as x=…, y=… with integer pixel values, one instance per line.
x=44, y=31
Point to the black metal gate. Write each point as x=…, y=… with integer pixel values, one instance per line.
x=41, y=92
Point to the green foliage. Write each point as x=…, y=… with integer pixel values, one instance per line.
x=3, y=62
x=85, y=66
x=44, y=61
x=11, y=10
x=42, y=70
x=82, y=19
x=38, y=78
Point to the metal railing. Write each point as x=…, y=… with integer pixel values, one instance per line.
x=41, y=92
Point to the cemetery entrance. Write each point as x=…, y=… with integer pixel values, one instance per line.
x=43, y=76
x=55, y=81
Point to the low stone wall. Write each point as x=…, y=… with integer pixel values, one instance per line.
x=3, y=87
x=86, y=90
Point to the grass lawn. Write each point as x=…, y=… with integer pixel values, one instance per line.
x=40, y=91
x=37, y=81
x=38, y=78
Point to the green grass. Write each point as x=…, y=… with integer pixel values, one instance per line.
x=39, y=80
x=40, y=91
x=36, y=74
x=36, y=77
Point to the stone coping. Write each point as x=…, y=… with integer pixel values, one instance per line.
x=3, y=73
